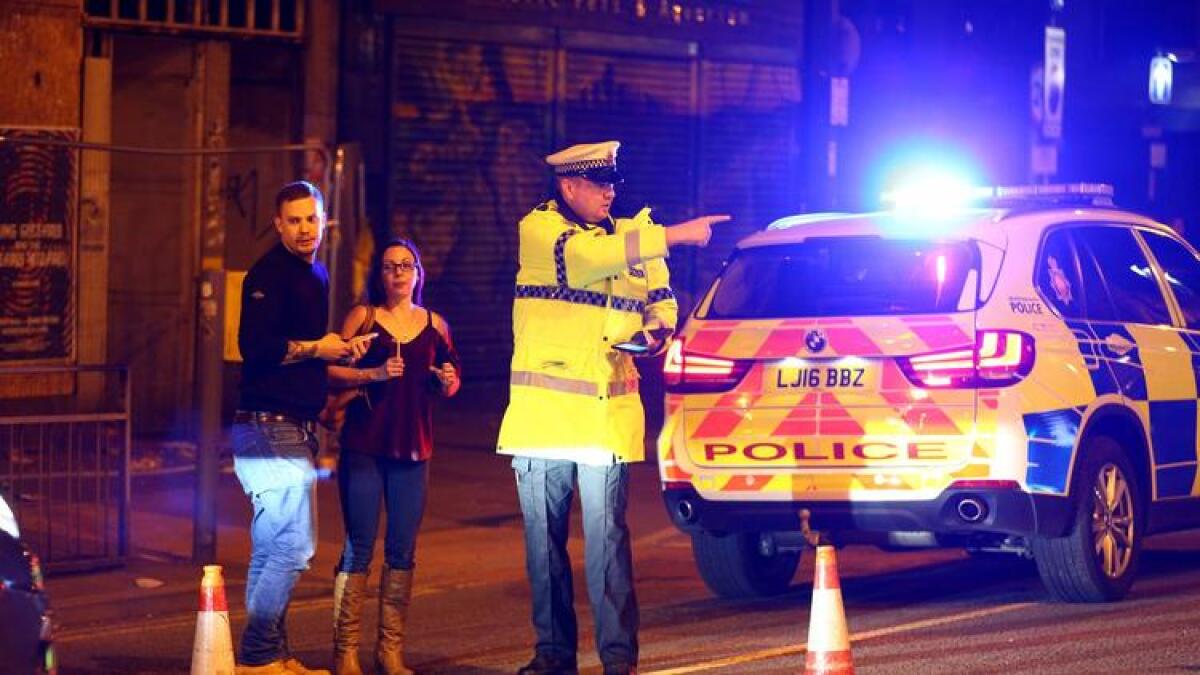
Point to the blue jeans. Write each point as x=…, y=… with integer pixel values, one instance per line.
x=365, y=480
x=546, y=488
x=273, y=461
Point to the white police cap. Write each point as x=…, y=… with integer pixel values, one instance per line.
x=596, y=162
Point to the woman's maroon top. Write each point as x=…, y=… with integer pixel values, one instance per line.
x=394, y=417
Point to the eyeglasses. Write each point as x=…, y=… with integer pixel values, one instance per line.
x=396, y=268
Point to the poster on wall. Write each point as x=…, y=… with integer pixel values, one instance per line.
x=37, y=246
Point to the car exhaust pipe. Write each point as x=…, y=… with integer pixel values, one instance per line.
x=971, y=509
x=685, y=510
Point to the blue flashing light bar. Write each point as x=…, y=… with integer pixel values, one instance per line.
x=950, y=196
x=930, y=192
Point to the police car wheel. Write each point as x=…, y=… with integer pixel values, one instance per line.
x=734, y=565
x=1097, y=560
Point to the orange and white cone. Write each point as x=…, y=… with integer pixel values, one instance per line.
x=212, y=650
x=828, y=637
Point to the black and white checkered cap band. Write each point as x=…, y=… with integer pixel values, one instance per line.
x=581, y=167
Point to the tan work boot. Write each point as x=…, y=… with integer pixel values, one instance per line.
x=272, y=668
x=294, y=667
x=349, y=589
x=395, y=591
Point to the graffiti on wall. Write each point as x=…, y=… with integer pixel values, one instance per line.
x=241, y=195
x=471, y=122
x=468, y=145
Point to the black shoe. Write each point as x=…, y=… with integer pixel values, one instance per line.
x=620, y=669
x=547, y=664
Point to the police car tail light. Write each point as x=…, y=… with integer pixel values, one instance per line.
x=685, y=372
x=1000, y=358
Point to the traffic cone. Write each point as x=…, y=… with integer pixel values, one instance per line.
x=212, y=650
x=828, y=637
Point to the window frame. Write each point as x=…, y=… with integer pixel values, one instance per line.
x=1074, y=228
x=1039, y=257
x=1070, y=228
x=1178, y=319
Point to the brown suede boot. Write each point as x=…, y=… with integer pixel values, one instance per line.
x=349, y=589
x=395, y=591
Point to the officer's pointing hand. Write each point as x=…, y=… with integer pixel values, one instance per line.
x=694, y=232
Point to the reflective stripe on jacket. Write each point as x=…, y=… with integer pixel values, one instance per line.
x=579, y=291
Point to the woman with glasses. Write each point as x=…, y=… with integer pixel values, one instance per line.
x=386, y=443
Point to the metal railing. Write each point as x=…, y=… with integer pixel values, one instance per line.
x=65, y=470
x=263, y=18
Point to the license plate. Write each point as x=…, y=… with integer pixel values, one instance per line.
x=807, y=377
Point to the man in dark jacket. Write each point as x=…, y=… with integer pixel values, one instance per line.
x=285, y=346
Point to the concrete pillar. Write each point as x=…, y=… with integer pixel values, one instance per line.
x=211, y=125
x=321, y=71
x=320, y=124
x=95, y=212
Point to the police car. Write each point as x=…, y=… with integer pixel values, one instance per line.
x=1015, y=376
x=26, y=631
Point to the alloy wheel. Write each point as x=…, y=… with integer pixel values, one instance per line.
x=1112, y=521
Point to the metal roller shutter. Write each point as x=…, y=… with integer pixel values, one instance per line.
x=469, y=122
x=472, y=116
x=750, y=116
x=646, y=104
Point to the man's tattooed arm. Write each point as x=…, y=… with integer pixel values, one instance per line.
x=300, y=350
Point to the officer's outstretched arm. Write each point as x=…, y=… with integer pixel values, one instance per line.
x=694, y=232
x=585, y=257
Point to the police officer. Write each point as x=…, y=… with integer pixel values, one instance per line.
x=588, y=287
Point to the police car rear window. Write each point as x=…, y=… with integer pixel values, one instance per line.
x=848, y=276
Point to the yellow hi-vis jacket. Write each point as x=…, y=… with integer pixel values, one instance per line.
x=579, y=291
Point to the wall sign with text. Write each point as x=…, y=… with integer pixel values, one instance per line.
x=37, y=245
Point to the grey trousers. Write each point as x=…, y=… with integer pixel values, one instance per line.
x=546, y=488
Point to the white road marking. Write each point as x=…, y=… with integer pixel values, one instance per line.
x=794, y=650
x=93, y=633
x=89, y=634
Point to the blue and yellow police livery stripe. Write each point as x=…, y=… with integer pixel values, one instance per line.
x=1158, y=377
x=1052, y=437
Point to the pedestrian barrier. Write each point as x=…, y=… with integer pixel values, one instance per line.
x=64, y=461
x=212, y=649
x=828, y=636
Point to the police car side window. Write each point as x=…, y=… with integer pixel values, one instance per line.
x=1097, y=303
x=1183, y=273
x=1120, y=263
x=1058, y=275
